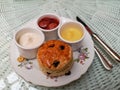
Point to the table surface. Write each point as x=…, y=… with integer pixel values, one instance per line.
x=103, y=17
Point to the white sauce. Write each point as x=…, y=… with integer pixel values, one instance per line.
x=29, y=40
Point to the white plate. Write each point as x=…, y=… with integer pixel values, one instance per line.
x=35, y=76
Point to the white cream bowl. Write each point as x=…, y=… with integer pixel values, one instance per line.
x=28, y=52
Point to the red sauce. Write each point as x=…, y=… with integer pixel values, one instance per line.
x=48, y=23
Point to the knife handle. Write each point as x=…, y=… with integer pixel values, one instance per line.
x=110, y=51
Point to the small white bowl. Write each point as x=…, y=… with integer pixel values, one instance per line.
x=22, y=40
x=50, y=34
x=68, y=32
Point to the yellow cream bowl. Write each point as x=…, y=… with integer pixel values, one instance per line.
x=71, y=32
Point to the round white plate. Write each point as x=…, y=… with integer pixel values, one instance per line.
x=30, y=70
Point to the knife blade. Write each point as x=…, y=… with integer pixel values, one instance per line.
x=109, y=50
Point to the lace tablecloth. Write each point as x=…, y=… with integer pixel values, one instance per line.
x=103, y=17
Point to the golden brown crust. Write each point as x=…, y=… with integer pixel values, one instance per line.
x=54, y=50
x=54, y=55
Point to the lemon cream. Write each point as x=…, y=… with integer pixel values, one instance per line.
x=71, y=33
x=29, y=39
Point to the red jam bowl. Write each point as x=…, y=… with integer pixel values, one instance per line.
x=48, y=22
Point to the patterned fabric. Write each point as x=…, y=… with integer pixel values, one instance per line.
x=103, y=17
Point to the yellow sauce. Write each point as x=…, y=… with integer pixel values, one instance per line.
x=71, y=33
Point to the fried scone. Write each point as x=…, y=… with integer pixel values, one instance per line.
x=55, y=58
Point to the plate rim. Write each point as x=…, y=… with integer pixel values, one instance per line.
x=57, y=85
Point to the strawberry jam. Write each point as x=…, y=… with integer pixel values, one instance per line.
x=48, y=23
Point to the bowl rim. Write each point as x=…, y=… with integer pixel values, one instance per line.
x=70, y=42
x=47, y=15
x=28, y=29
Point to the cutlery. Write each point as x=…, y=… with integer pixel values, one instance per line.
x=110, y=51
x=106, y=63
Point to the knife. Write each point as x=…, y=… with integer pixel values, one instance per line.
x=110, y=51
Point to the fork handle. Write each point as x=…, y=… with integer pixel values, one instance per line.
x=107, y=64
x=110, y=51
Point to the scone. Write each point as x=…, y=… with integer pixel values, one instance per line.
x=55, y=58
